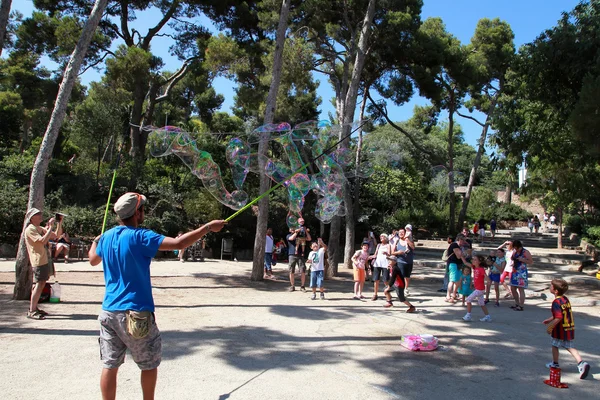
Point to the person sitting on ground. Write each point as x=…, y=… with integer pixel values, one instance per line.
x=36, y=240
x=63, y=246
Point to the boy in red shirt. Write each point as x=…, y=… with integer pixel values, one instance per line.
x=562, y=327
x=479, y=281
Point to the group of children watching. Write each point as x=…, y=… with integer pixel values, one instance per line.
x=475, y=285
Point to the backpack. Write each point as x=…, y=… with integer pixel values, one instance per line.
x=46, y=292
x=446, y=255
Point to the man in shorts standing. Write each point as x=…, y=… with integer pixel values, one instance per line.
x=296, y=256
x=127, y=316
x=36, y=240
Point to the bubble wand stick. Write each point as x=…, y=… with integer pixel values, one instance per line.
x=112, y=185
x=303, y=167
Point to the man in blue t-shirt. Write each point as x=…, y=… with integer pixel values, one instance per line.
x=127, y=317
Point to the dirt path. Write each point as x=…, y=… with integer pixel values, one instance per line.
x=226, y=337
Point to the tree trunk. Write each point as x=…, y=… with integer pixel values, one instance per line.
x=476, y=162
x=351, y=196
x=22, y=290
x=4, y=13
x=508, y=193
x=333, y=246
x=452, y=199
x=263, y=204
x=355, y=207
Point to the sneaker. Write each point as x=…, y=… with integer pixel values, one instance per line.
x=467, y=317
x=314, y=296
x=552, y=365
x=497, y=304
x=322, y=296
x=303, y=289
x=584, y=369
x=487, y=318
x=291, y=289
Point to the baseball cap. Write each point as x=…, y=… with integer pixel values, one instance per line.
x=127, y=204
x=30, y=213
x=408, y=227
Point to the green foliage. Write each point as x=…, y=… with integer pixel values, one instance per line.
x=592, y=235
x=507, y=212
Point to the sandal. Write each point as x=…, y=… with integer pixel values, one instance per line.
x=374, y=298
x=411, y=310
x=44, y=313
x=518, y=308
x=35, y=315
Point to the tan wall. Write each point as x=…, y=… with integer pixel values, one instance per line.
x=533, y=207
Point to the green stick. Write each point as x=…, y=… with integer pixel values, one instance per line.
x=112, y=184
x=241, y=210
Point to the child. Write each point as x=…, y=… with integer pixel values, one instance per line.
x=495, y=271
x=465, y=285
x=396, y=281
x=562, y=327
x=479, y=278
x=508, y=269
x=359, y=262
x=316, y=258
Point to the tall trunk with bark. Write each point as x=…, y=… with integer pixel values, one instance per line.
x=476, y=162
x=451, y=224
x=351, y=196
x=4, y=13
x=263, y=204
x=23, y=279
x=351, y=217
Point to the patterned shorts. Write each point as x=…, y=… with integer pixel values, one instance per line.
x=114, y=341
x=477, y=294
x=565, y=344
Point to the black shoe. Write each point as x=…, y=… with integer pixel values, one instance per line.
x=291, y=289
x=303, y=288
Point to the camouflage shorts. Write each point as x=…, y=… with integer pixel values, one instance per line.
x=114, y=341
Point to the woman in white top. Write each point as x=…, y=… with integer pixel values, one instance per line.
x=380, y=265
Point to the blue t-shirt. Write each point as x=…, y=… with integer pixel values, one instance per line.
x=126, y=254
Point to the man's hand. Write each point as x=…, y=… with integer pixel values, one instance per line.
x=216, y=225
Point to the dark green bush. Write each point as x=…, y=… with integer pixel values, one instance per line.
x=592, y=235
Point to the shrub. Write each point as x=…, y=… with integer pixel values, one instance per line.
x=592, y=235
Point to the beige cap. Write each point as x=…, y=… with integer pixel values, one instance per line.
x=127, y=204
x=408, y=227
x=30, y=213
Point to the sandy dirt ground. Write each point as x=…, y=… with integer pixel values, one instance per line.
x=227, y=337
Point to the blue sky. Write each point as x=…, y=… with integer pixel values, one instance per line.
x=528, y=18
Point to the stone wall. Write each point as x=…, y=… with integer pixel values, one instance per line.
x=534, y=207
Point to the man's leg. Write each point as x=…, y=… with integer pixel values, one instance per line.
x=35, y=295
x=108, y=383
x=148, y=380
x=302, y=268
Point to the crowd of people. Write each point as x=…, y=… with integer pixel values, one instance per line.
x=127, y=320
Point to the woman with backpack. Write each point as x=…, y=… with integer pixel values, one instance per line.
x=445, y=258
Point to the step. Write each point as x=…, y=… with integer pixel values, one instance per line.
x=539, y=256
